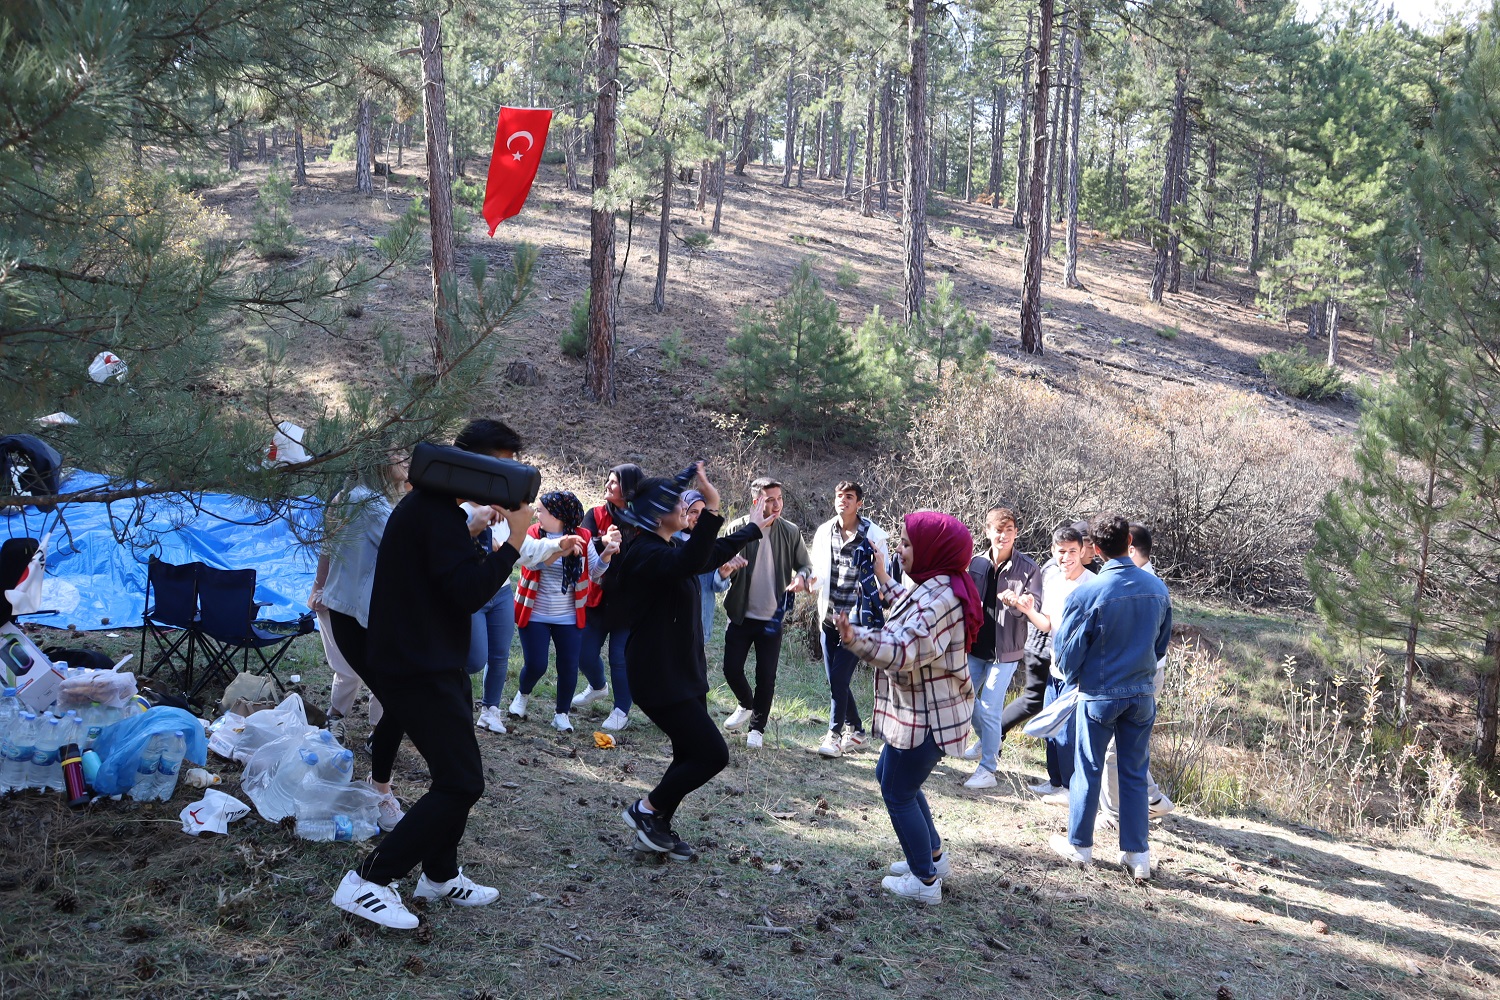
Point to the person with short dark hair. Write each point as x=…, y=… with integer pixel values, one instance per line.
x=844, y=551
x=489, y=437
x=778, y=567
x=656, y=594
x=1140, y=545
x=603, y=634
x=1115, y=627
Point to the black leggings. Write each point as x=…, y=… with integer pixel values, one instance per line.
x=385, y=738
x=737, y=642
x=1033, y=689
x=698, y=751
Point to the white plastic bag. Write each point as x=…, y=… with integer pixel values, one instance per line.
x=1054, y=718
x=286, y=445
x=287, y=719
x=213, y=813
x=106, y=366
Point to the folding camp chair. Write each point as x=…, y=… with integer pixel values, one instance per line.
x=228, y=626
x=170, y=620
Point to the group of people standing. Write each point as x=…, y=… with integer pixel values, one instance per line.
x=634, y=580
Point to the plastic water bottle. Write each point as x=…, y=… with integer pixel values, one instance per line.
x=282, y=791
x=147, y=767
x=336, y=767
x=10, y=718
x=16, y=747
x=47, y=762
x=95, y=718
x=171, y=765
x=337, y=827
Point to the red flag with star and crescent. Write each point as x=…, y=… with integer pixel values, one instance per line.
x=519, y=139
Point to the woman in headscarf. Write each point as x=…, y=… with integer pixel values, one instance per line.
x=923, y=697
x=551, y=601
x=602, y=626
x=656, y=581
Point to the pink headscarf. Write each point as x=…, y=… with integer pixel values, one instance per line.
x=940, y=544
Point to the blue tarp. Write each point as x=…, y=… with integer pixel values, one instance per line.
x=96, y=561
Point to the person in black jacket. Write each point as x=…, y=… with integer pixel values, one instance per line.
x=656, y=581
x=430, y=578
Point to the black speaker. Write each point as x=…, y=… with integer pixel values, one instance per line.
x=499, y=481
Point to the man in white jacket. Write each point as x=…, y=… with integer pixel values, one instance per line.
x=844, y=549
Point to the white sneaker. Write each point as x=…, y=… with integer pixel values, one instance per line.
x=1077, y=855
x=754, y=740
x=518, y=705
x=1160, y=806
x=390, y=813
x=377, y=903
x=911, y=887
x=589, y=695
x=1061, y=797
x=460, y=891
x=982, y=777
x=830, y=746
x=973, y=752
x=491, y=718
x=617, y=720
x=852, y=741
x=738, y=718
x=1042, y=787
x=941, y=863
x=561, y=723
x=1138, y=865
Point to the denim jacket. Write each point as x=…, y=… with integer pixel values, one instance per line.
x=1114, y=629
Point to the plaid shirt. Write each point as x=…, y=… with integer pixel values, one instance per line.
x=921, y=669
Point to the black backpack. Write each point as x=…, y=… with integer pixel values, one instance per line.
x=29, y=466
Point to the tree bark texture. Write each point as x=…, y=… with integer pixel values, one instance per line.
x=599, y=368
x=1057, y=142
x=705, y=167
x=719, y=173
x=886, y=145
x=914, y=195
x=364, y=173
x=299, y=169
x=1037, y=221
x=1169, y=188
x=969, y=163
x=664, y=235
x=997, y=145
x=867, y=193
x=439, y=182
x=790, y=144
x=1023, y=147
x=1075, y=94
x=1255, y=213
x=742, y=156
x=232, y=159
x=1179, y=199
x=849, y=164
x=1210, y=208
x=1487, y=703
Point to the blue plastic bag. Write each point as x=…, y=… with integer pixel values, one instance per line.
x=119, y=746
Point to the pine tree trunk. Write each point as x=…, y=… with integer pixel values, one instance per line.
x=364, y=175
x=1334, y=308
x=886, y=146
x=867, y=193
x=1210, y=209
x=599, y=371
x=1075, y=90
x=1487, y=703
x=719, y=173
x=1056, y=145
x=260, y=145
x=1018, y=219
x=1168, y=190
x=801, y=154
x=1255, y=213
x=137, y=136
x=789, y=145
x=997, y=145
x=439, y=183
x=664, y=235
x=233, y=157
x=299, y=171
x=1179, y=199
x=1031, y=285
x=969, y=166
x=705, y=167
x=835, y=135
x=821, y=154
x=1419, y=596
x=742, y=156
x=401, y=145
x=914, y=196
x=849, y=164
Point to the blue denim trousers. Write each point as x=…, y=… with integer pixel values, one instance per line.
x=591, y=659
x=537, y=639
x=901, y=774
x=490, y=633
x=840, y=665
x=991, y=679
x=1060, y=747
x=1128, y=722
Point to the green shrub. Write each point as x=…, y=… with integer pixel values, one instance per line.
x=1296, y=374
x=345, y=147
x=956, y=232
x=847, y=277
x=575, y=340
x=195, y=177
x=271, y=231
x=698, y=239
x=1169, y=333
x=469, y=194
x=673, y=352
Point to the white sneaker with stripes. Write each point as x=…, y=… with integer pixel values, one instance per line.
x=460, y=890
x=377, y=903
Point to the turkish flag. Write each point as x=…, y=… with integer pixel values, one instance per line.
x=519, y=139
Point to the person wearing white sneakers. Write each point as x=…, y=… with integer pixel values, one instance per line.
x=551, y=602
x=1001, y=574
x=923, y=698
x=656, y=581
x=844, y=551
x=430, y=577
x=602, y=633
x=1113, y=630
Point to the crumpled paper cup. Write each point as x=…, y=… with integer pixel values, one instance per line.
x=213, y=813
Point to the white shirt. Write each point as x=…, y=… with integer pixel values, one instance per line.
x=1055, y=590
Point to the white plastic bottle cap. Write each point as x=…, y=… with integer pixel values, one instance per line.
x=295, y=678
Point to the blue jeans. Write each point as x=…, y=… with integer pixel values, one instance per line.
x=1128, y=721
x=1060, y=747
x=536, y=640
x=901, y=773
x=991, y=679
x=591, y=662
x=839, y=664
x=490, y=633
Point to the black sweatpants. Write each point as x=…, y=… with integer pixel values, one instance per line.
x=1033, y=689
x=436, y=712
x=698, y=751
x=737, y=642
x=385, y=738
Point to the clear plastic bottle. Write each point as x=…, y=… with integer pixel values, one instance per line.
x=15, y=751
x=171, y=765
x=46, y=760
x=147, y=767
x=337, y=767
x=283, y=790
x=337, y=827
x=94, y=720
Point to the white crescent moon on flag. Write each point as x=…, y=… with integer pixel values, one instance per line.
x=530, y=139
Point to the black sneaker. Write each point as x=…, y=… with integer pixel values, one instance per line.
x=681, y=850
x=650, y=832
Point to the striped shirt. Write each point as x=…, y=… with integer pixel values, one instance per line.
x=921, y=669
